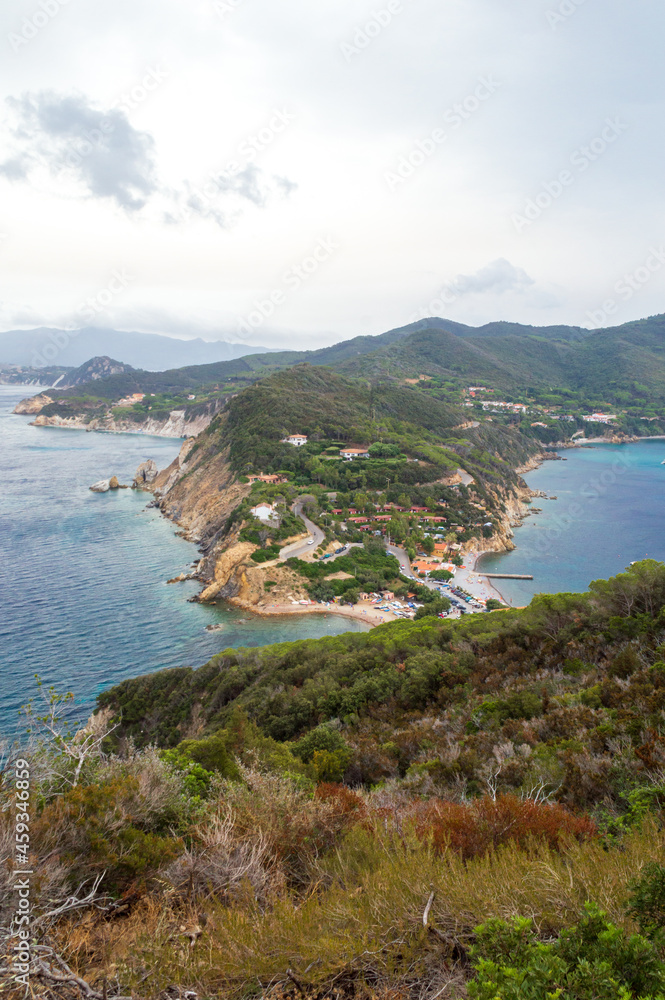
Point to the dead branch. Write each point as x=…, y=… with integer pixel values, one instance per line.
x=428, y=908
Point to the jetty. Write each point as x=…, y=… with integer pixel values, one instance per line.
x=507, y=576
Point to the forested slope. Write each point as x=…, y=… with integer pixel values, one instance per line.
x=473, y=809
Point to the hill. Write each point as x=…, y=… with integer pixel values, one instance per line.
x=471, y=808
x=93, y=370
x=620, y=364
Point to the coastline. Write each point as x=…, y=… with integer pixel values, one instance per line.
x=362, y=612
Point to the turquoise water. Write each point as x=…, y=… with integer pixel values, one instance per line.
x=83, y=597
x=610, y=511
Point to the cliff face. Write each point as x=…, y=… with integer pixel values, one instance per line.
x=34, y=404
x=176, y=425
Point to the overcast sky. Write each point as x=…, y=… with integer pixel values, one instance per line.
x=294, y=173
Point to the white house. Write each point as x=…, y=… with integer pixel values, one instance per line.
x=351, y=453
x=297, y=440
x=265, y=512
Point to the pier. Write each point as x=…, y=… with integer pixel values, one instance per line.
x=506, y=576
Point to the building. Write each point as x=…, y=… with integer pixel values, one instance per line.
x=297, y=440
x=350, y=453
x=136, y=397
x=600, y=418
x=271, y=480
x=265, y=512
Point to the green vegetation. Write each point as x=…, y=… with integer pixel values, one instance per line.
x=475, y=806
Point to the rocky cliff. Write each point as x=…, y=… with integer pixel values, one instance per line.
x=175, y=426
x=34, y=404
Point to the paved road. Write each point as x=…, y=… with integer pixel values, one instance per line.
x=298, y=549
x=403, y=560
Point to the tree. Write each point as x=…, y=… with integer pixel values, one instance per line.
x=404, y=501
x=441, y=574
x=640, y=590
x=397, y=528
x=428, y=544
x=494, y=605
x=435, y=607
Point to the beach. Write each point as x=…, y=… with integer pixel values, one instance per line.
x=361, y=612
x=472, y=580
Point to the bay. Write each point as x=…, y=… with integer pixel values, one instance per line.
x=83, y=596
x=609, y=512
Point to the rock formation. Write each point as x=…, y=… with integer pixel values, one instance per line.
x=34, y=404
x=104, y=485
x=146, y=473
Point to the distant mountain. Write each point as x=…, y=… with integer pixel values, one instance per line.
x=510, y=357
x=47, y=346
x=91, y=371
x=499, y=329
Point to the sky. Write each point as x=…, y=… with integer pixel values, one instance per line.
x=293, y=174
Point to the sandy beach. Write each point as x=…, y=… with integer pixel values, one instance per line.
x=469, y=579
x=362, y=612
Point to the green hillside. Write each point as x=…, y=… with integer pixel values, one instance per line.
x=605, y=364
x=474, y=808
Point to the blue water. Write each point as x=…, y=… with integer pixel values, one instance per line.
x=610, y=511
x=83, y=597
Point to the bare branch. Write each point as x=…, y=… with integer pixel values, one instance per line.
x=428, y=908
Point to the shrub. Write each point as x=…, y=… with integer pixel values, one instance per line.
x=593, y=960
x=647, y=899
x=324, y=737
x=95, y=830
x=295, y=826
x=473, y=829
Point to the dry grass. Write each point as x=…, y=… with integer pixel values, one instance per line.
x=362, y=922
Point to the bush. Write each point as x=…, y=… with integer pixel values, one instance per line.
x=265, y=555
x=647, y=900
x=593, y=960
x=474, y=829
x=95, y=830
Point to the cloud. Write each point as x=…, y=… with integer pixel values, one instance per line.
x=109, y=159
x=70, y=138
x=220, y=197
x=496, y=278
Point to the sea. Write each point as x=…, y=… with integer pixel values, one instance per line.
x=609, y=511
x=84, y=601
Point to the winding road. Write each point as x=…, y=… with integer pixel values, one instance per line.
x=297, y=549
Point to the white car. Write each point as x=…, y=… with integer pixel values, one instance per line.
x=311, y=541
